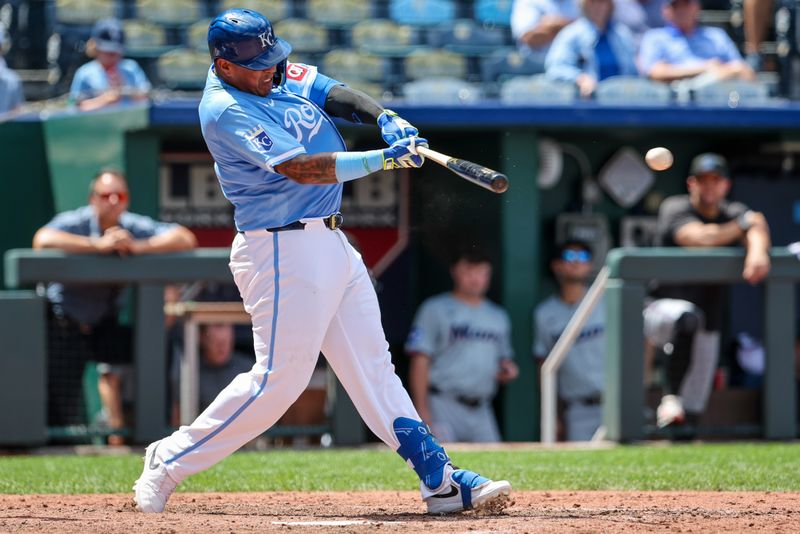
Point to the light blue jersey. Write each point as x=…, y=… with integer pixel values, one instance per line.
x=92, y=80
x=249, y=135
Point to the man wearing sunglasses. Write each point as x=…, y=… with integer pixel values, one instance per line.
x=581, y=376
x=83, y=322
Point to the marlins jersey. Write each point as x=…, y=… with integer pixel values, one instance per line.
x=582, y=372
x=465, y=344
x=249, y=135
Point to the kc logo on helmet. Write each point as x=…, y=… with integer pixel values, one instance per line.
x=259, y=139
x=267, y=39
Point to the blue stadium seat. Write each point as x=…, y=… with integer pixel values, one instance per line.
x=733, y=94
x=441, y=91
x=384, y=37
x=422, y=12
x=183, y=68
x=537, y=89
x=305, y=36
x=339, y=13
x=84, y=12
x=504, y=64
x=144, y=39
x=494, y=12
x=170, y=12
x=428, y=63
x=274, y=10
x=466, y=37
x=354, y=66
x=632, y=91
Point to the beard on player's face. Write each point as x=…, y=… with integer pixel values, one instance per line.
x=257, y=82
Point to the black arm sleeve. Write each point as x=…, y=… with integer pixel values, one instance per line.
x=352, y=105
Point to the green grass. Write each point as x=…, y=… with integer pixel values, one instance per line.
x=768, y=466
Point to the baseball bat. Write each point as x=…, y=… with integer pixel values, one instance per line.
x=477, y=174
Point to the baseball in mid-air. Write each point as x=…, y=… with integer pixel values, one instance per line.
x=658, y=158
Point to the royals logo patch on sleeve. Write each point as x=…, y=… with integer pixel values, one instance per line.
x=259, y=139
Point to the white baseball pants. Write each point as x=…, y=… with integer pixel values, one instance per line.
x=306, y=290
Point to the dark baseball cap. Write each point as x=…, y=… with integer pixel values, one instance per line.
x=108, y=36
x=709, y=163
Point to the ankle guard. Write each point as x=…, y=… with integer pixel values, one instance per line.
x=418, y=446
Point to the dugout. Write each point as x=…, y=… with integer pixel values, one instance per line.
x=161, y=149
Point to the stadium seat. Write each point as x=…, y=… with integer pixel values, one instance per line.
x=143, y=38
x=375, y=90
x=354, y=66
x=197, y=35
x=339, y=13
x=441, y=91
x=183, y=68
x=504, y=64
x=632, y=91
x=493, y=12
x=466, y=37
x=83, y=11
x=537, y=89
x=422, y=12
x=274, y=10
x=426, y=63
x=384, y=37
x=733, y=94
x=170, y=12
x=305, y=36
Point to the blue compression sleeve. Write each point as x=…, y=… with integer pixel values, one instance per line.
x=352, y=165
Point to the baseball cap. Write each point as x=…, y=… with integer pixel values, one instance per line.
x=709, y=163
x=108, y=36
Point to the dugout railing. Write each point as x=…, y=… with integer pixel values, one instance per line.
x=631, y=270
x=24, y=326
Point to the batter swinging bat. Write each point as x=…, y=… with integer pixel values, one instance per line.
x=477, y=174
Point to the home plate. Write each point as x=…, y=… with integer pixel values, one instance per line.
x=339, y=523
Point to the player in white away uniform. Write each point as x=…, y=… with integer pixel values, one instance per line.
x=306, y=289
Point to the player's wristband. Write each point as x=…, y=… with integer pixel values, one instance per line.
x=353, y=165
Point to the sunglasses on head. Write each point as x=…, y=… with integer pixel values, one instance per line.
x=572, y=256
x=114, y=198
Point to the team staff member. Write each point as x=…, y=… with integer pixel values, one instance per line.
x=687, y=319
x=460, y=350
x=581, y=376
x=281, y=162
x=83, y=322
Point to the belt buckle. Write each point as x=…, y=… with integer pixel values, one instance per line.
x=335, y=220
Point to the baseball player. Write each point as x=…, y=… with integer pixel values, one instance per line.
x=581, y=376
x=281, y=162
x=460, y=350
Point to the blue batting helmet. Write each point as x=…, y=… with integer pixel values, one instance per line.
x=246, y=38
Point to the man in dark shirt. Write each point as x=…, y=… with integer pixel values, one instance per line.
x=685, y=321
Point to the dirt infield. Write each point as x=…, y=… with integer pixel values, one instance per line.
x=362, y=512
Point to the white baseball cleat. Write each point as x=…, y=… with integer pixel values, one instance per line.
x=154, y=486
x=465, y=490
x=670, y=411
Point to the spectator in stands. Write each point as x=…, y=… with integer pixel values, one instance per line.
x=581, y=378
x=83, y=322
x=591, y=49
x=11, y=95
x=683, y=49
x=219, y=364
x=685, y=321
x=460, y=350
x=535, y=23
x=758, y=18
x=108, y=79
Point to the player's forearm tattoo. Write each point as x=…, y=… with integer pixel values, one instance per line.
x=310, y=169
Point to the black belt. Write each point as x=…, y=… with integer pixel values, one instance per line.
x=332, y=222
x=591, y=400
x=469, y=402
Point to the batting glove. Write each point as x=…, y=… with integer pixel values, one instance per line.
x=403, y=154
x=394, y=128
